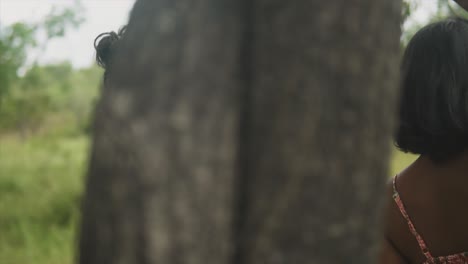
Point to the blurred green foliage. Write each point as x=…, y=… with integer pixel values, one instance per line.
x=14, y=42
x=447, y=8
x=26, y=100
x=444, y=8
x=44, y=116
x=20, y=38
x=40, y=191
x=49, y=90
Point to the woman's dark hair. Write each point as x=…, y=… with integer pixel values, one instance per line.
x=105, y=46
x=434, y=99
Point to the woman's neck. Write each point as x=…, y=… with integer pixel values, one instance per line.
x=449, y=175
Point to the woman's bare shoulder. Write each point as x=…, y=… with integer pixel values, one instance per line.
x=390, y=255
x=397, y=234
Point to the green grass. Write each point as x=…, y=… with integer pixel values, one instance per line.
x=400, y=161
x=41, y=183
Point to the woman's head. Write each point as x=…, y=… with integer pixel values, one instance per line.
x=105, y=46
x=434, y=100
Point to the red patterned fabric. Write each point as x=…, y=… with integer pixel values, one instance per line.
x=459, y=258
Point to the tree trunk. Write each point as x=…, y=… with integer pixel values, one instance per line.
x=320, y=125
x=244, y=132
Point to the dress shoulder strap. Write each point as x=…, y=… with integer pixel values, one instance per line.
x=401, y=207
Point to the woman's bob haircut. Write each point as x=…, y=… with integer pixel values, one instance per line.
x=434, y=92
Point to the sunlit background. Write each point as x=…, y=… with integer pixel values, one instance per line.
x=48, y=86
x=76, y=46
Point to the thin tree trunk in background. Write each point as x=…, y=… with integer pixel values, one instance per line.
x=244, y=132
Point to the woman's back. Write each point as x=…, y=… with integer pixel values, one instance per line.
x=427, y=217
x=434, y=198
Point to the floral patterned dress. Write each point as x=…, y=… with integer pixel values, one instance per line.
x=459, y=258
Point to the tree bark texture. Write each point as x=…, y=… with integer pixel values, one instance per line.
x=325, y=78
x=244, y=132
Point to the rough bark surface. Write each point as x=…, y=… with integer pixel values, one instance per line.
x=325, y=79
x=160, y=185
x=244, y=132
